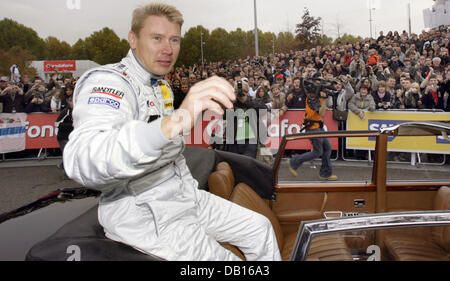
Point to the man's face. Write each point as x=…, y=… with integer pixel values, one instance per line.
x=297, y=84
x=407, y=84
x=157, y=45
x=184, y=88
x=391, y=83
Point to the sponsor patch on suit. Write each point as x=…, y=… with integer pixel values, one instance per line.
x=101, y=100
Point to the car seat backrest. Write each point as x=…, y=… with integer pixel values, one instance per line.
x=441, y=235
x=221, y=182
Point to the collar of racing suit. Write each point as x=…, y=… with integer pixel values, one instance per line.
x=145, y=76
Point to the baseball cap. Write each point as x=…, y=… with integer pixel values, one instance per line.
x=4, y=79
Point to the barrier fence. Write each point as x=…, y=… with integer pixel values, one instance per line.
x=20, y=131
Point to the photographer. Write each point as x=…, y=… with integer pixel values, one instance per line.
x=36, y=103
x=12, y=98
x=316, y=108
x=246, y=123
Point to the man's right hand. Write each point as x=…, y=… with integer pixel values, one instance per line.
x=213, y=94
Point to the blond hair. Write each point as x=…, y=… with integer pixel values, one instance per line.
x=141, y=13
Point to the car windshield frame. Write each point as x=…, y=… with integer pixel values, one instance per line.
x=310, y=229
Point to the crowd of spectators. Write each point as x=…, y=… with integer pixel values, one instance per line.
x=35, y=96
x=394, y=71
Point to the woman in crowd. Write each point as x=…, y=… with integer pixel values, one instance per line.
x=381, y=97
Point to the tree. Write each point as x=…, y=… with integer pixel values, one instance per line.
x=16, y=55
x=105, y=47
x=307, y=31
x=348, y=39
x=79, y=50
x=57, y=50
x=13, y=33
x=285, y=42
x=218, y=47
x=190, y=52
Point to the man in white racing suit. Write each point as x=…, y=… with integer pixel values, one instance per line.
x=127, y=142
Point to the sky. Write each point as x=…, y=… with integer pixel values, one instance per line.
x=70, y=20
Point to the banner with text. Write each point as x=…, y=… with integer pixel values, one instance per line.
x=383, y=119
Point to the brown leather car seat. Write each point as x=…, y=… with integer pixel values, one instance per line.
x=435, y=247
x=327, y=247
x=221, y=182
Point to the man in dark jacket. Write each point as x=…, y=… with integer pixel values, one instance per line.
x=296, y=97
x=64, y=123
x=12, y=98
x=246, y=122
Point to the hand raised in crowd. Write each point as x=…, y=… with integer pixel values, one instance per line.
x=290, y=97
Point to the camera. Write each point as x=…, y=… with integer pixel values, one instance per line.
x=240, y=92
x=316, y=86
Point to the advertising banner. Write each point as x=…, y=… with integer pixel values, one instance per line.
x=383, y=119
x=12, y=132
x=38, y=130
x=289, y=123
x=60, y=66
x=41, y=131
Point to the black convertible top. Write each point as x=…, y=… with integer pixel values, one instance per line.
x=87, y=234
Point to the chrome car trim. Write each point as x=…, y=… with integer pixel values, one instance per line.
x=309, y=229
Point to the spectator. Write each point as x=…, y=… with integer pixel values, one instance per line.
x=296, y=97
x=362, y=101
x=67, y=95
x=345, y=93
x=64, y=123
x=36, y=101
x=381, y=97
x=3, y=82
x=430, y=98
x=278, y=99
x=13, y=98
x=55, y=101
x=252, y=88
x=413, y=96
x=374, y=58
x=437, y=67
x=246, y=124
x=398, y=99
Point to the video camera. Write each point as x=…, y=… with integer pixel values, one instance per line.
x=318, y=85
x=314, y=87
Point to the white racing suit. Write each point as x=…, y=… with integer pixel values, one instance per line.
x=150, y=200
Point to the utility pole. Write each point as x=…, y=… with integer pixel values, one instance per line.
x=370, y=17
x=273, y=44
x=256, y=32
x=409, y=18
x=201, y=44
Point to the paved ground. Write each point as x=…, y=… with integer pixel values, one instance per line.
x=22, y=182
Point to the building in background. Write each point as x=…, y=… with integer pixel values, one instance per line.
x=438, y=15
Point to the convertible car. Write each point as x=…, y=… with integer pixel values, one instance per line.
x=375, y=215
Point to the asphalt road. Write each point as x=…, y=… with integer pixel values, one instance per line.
x=22, y=182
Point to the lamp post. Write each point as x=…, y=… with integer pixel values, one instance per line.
x=201, y=44
x=256, y=31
